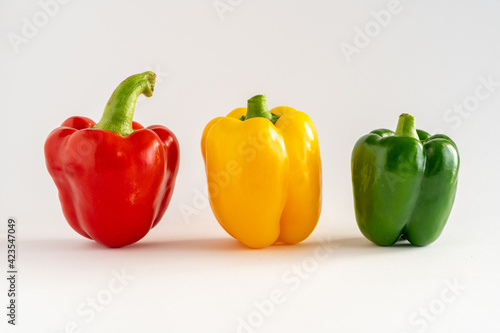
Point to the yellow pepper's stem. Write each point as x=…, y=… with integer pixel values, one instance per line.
x=257, y=107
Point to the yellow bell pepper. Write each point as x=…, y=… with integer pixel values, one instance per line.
x=264, y=173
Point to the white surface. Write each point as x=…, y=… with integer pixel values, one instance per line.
x=189, y=275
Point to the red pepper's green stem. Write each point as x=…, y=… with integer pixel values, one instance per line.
x=257, y=107
x=406, y=126
x=119, y=111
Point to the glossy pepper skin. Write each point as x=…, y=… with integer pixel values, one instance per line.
x=404, y=183
x=264, y=173
x=115, y=178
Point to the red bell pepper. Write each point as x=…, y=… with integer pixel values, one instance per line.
x=115, y=178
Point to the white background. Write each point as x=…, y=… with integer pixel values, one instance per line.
x=188, y=274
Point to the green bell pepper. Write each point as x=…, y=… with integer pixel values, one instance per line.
x=404, y=183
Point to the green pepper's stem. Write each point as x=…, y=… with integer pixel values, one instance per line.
x=119, y=111
x=406, y=126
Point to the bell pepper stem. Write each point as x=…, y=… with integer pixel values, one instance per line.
x=406, y=126
x=257, y=107
x=119, y=110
